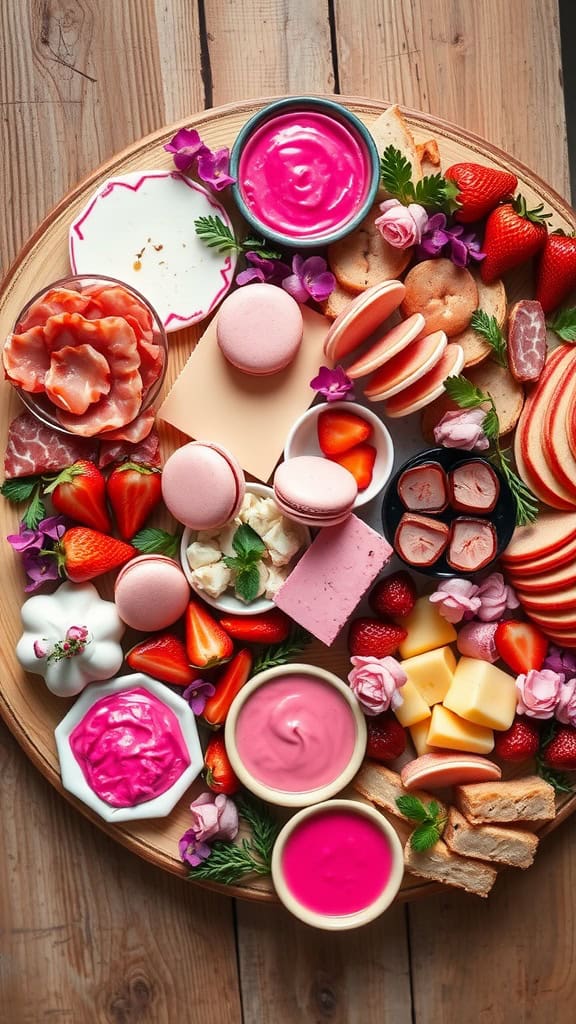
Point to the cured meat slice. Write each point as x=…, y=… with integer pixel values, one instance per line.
x=33, y=448
x=424, y=488
x=116, y=301
x=146, y=452
x=78, y=377
x=420, y=540
x=473, y=544
x=26, y=360
x=526, y=340
x=58, y=300
x=133, y=432
x=474, y=486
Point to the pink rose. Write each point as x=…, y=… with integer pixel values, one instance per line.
x=375, y=683
x=214, y=817
x=476, y=640
x=566, y=707
x=456, y=600
x=401, y=226
x=538, y=693
x=495, y=598
x=462, y=429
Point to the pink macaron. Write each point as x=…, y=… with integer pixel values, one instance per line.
x=151, y=592
x=259, y=329
x=365, y=314
x=202, y=485
x=314, y=491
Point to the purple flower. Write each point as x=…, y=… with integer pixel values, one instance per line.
x=197, y=695
x=449, y=240
x=310, y=279
x=558, y=660
x=186, y=147
x=192, y=851
x=212, y=168
x=260, y=269
x=334, y=385
x=53, y=527
x=39, y=569
x=26, y=540
x=36, y=546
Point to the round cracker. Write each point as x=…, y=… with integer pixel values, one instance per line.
x=446, y=296
x=337, y=302
x=508, y=398
x=363, y=258
x=492, y=299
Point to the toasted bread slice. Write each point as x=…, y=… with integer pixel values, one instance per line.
x=513, y=846
x=392, y=129
x=428, y=153
x=492, y=299
x=338, y=300
x=439, y=864
x=507, y=393
x=526, y=799
x=381, y=786
x=364, y=258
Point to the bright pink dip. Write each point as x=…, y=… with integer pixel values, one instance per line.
x=336, y=862
x=304, y=174
x=295, y=733
x=130, y=748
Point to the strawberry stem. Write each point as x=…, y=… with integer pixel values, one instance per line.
x=535, y=216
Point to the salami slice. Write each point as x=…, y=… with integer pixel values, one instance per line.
x=526, y=340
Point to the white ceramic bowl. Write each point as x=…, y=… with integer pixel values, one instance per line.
x=227, y=602
x=339, y=922
x=303, y=440
x=73, y=777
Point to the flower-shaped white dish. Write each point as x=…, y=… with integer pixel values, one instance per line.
x=139, y=227
x=303, y=440
x=73, y=778
x=227, y=601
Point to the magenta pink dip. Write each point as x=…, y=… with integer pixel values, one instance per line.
x=130, y=748
x=295, y=734
x=337, y=862
x=304, y=174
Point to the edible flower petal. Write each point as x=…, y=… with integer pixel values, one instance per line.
x=261, y=269
x=197, y=695
x=26, y=540
x=186, y=146
x=214, y=817
x=39, y=569
x=495, y=598
x=334, y=384
x=462, y=428
x=212, y=168
x=558, y=660
x=375, y=682
x=538, y=693
x=444, y=238
x=457, y=600
x=192, y=850
x=310, y=279
x=401, y=226
x=566, y=707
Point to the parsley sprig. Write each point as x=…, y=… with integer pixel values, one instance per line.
x=249, y=548
x=468, y=396
x=563, y=323
x=430, y=821
x=229, y=862
x=217, y=235
x=488, y=327
x=28, y=488
x=279, y=654
x=433, y=191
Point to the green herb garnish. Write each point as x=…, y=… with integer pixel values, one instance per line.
x=279, y=654
x=430, y=821
x=564, y=324
x=433, y=191
x=249, y=548
x=26, y=488
x=152, y=541
x=488, y=327
x=217, y=235
x=228, y=863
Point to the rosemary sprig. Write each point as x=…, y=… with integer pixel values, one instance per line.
x=217, y=235
x=279, y=654
x=488, y=327
x=228, y=863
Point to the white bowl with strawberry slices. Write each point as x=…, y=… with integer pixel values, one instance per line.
x=351, y=435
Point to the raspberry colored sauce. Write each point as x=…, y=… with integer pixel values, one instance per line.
x=296, y=733
x=336, y=862
x=304, y=174
x=130, y=748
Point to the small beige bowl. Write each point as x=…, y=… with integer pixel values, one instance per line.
x=303, y=798
x=339, y=922
x=303, y=440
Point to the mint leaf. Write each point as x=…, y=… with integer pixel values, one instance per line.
x=564, y=324
x=248, y=544
x=435, y=191
x=20, y=488
x=426, y=835
x=35, y=512
x=488, y=327
x=152, y=541
x=413, y=808
x=216, y=234
x=464, y=393
x=247, y=582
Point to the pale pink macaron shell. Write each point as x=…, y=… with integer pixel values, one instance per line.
x=365, y=314
x=435, y=771
x=202, y=485
x=393, y=342
x=314, y=491
x=407, y=367
x=151, y=592
x=259, y=329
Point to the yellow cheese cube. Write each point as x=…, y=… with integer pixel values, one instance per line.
x=482, y=694
x=419, y=735
x=454, y=733
x=426, y=629
x=413, y=707
x=431, y=673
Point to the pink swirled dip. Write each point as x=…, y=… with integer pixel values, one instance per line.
x=304, y=174
x=130, y=748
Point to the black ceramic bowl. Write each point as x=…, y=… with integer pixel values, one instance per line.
x=502, y=516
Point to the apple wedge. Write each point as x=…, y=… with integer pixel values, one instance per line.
x=561, y=621
x=544, y=582
x=551, y=532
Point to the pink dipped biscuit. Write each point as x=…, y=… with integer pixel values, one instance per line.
x=435, y=771
x=151, y=592
x=314, y=491
x=202, y=485
x=394, y=341
x=259, y=329
x=362, y=316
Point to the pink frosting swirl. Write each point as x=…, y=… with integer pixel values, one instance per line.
x=566, y=707
x=495, y=598
x=538, y=693
x=401, y=226
x=456, y=600
x=462, y=429
x=375, y=683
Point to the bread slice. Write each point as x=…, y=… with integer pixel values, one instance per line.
x=381, y=786
x=512, y=846
x=391, y=129
x=338, y=300
x=526, y=799
x=507, y=393
x=492, y=299
x=439, y=864
x=363, y=258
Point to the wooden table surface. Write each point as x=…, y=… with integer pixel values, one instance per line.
x=89, y=933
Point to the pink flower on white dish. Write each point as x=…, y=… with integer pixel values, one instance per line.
x=462, y=428
x=214, y=817
x=401, y=226
x=496, y=597
x=566, y=707
x=375, y=682
x=456, y=600
x=538, y=693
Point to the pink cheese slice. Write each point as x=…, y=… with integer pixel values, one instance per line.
x=434, y=771
x=364, y=315
x=407, y=367
x=393, y=342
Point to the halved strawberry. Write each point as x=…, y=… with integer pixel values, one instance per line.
x=162, y=657
x=207, y=643
x=521, y=645
x=339, y=430
x=360, y=462
x=268, y=628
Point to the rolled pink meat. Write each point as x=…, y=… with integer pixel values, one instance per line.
x=420, y=540
x=526, y=340
x=474, y=487
x=473, y=544
x=424, y=488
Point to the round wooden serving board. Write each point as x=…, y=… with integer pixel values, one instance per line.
x=26, y=705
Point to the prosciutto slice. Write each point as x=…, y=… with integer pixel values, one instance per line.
x=78, y=377
x=145, y=453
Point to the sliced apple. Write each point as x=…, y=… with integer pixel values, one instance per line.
x=568, y=640
x=429, y=387
x=407, y=367
x=543, y=583
x=560, y=600
x=547, y=563
x=571, y=424
x=550, y=532
x=562, y=621
x=555, y=431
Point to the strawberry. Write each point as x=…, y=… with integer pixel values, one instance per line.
x=521, y=645
x=79, y=492
x=560, y=753
x=556, y=271
x=360, y=462
x=220, y=777
x=206, y=642
x=162, y=657
x=394, y=595
x=386, y=737
x=513, y=235
x=85, y=553
x=480, y=189
x=134, y=491
x=519, y=742
x=269, y=628
x=339, y=430
x=372, y=638
x=230, y=681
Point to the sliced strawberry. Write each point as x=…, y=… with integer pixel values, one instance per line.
x=162, y=657
x=86, y=553
x=207, y=643
x=386, y=737
x=480, y=189
x=339, y=430
x=518, y=743
x=360, y=462
x=232, y=678
x=134, y=492
x=373, y=638
x=269, y=628
x=521, y=645
x=393, y=595
x=220, y=776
